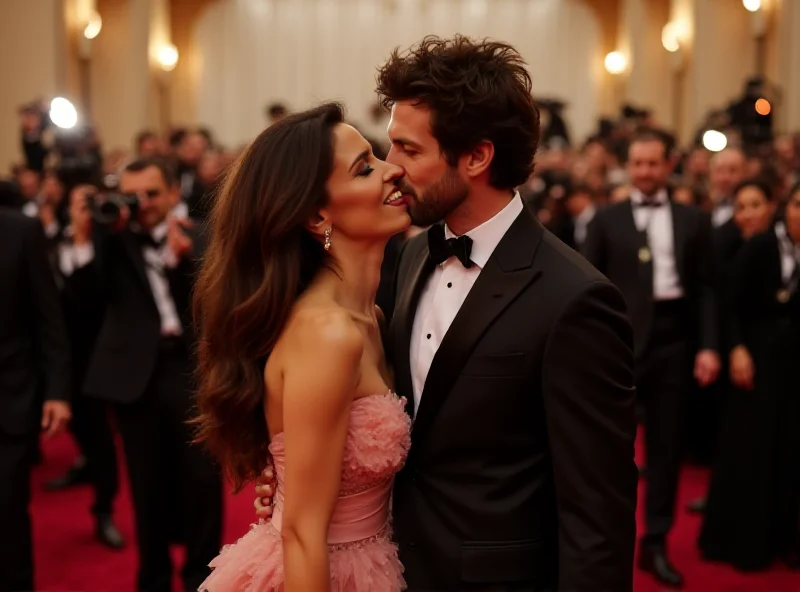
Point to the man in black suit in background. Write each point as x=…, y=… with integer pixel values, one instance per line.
x=727, y=170
x=660, y=255
x=514, y=354
x=141, y=270
x=90, y=425
x=34, y=364
x=579, y=210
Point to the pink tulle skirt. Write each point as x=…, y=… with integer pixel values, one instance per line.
x=255, y=564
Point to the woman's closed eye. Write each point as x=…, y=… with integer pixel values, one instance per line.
x=365, y=171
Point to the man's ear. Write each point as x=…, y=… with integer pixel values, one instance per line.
x=479, y=159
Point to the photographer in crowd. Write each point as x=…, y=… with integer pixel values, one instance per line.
x=90, y=426
x=137, y=261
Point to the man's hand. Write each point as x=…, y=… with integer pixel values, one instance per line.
x=177, y=240
x=264, y=493
x=55, y=417
x=706, y=367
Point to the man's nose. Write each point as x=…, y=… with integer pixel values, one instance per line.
x=393, y=172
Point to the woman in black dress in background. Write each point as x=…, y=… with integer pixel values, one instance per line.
x=752, y=514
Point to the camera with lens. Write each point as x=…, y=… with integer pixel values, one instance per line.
x=107, y=207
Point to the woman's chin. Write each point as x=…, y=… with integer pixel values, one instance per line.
x=406, y=222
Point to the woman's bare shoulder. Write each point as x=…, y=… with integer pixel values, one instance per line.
x=323, y=328
x=318, y=339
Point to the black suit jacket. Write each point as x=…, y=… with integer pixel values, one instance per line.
x=520, y=474
x=612, y=246
x=564, y=228
x=83, y=317
x=127, y=345
x=757, y=315
x=34, y=352
x=727, y=242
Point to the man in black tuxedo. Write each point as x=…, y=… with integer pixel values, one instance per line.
x=514, y=354
x=727, y=169
x=34, y=363
x=660, y=255
x=90, y=425
x=140, y=272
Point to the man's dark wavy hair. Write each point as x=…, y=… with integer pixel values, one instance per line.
x=476, y=91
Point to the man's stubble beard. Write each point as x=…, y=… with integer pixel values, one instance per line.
x=439, y=200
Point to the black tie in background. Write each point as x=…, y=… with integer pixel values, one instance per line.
x=650, y=203
x=441, y=248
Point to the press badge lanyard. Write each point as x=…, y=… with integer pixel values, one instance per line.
x=645, y=254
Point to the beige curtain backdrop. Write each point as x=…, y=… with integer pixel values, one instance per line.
x=33, y=64
x=301, y=52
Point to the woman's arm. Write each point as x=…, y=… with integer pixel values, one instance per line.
x=319, y=382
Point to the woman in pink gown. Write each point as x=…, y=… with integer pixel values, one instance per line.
x=291, y=365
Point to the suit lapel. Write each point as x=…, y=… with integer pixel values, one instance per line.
x=509, y=270
x=420, y=269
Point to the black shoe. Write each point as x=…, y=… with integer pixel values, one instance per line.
x=74, y=476
x=108, y=534
x=653, y=560
x=697, y=506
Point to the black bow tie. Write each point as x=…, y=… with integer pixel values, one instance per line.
x=441, y=248
x=650, y=202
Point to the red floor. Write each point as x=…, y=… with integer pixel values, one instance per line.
x=69, y=560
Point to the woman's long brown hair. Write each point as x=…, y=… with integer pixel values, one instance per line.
x=259, y=259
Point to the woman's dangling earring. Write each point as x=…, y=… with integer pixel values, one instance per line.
x=327, y=239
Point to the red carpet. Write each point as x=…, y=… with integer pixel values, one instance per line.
x=69, y=560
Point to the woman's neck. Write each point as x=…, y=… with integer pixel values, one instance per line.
x=354, y=276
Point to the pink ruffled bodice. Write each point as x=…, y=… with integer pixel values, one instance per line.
x=362, y=556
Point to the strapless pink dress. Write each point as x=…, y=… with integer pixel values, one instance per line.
x=362, y=555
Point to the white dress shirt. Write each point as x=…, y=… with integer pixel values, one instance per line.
x=657, y=222
x=155, y=263
x=446, y=290
x=581, y=222
x=722, y=212
x=31, y=209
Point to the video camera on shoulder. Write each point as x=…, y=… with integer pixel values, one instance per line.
x=107, y=207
